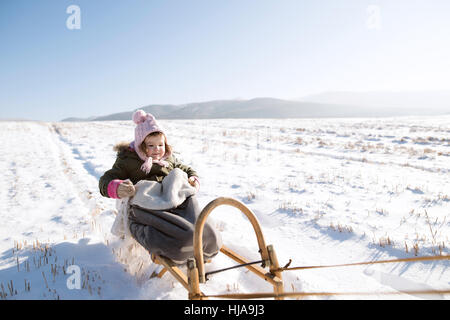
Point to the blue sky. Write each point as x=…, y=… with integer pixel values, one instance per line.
x=129, y=54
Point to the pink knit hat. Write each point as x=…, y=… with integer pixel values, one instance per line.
x=146, y=124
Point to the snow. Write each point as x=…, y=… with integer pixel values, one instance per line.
x=325, y=191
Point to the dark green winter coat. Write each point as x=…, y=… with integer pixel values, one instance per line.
x=128, y=166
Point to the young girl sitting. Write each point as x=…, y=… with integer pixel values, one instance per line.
x=148, y=157
x=167, y=232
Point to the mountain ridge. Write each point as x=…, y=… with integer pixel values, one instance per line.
x=267, y=107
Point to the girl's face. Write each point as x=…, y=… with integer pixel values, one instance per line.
x=155, y=146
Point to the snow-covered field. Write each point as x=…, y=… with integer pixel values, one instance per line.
x=326, y=191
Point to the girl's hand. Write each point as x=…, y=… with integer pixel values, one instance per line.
x=126, y=189
x=193, y=181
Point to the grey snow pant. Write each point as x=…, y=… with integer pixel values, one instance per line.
x=170, y=233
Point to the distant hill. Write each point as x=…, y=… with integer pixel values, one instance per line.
x=432, y=101
x=320, y=106
x=159, y=111
x=79, y=119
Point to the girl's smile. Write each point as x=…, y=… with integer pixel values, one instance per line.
x=155, y=146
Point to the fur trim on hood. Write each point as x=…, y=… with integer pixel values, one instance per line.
x=121, y=146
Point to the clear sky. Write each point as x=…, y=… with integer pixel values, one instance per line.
x=128, y=54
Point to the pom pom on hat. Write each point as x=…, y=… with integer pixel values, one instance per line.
x=140, y=116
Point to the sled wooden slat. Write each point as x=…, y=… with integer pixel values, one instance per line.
x=254, y=268
x=174, y=270
x=162, y=272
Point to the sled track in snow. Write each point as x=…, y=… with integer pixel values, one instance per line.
x=88, y=165
x=85, y=192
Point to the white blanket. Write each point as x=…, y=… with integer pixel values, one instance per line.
x=169, y=194
x=172, y=192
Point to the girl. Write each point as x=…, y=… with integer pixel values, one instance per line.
x=148, y=157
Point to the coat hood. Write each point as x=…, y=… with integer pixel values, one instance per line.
x=122, y=146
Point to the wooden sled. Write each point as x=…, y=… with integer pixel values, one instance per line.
x=195, y=266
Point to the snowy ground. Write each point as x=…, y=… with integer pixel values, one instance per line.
x=326, y=191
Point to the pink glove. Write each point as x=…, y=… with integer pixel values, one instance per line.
x=118, y=189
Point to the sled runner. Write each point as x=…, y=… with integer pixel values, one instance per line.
x=269, y=269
